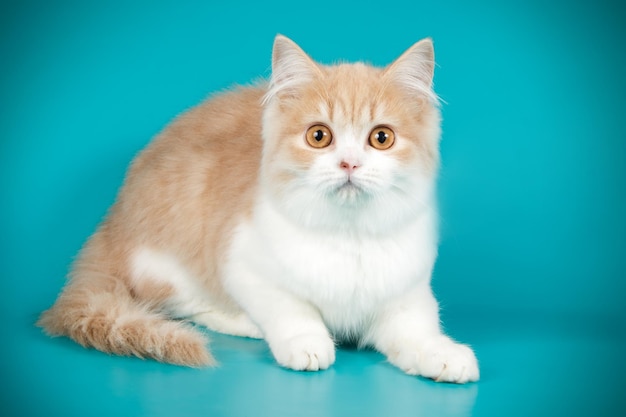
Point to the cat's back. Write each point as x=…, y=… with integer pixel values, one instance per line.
x=224, y=127
x=202, y=168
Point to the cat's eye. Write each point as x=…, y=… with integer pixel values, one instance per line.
x=382, y=138
x=319, y=136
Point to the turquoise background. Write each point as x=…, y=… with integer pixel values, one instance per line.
x=532, y=266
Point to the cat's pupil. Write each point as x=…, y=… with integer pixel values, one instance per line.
x=318, y=135
x=381, y=137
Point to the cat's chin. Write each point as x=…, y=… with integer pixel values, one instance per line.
x=350, y=193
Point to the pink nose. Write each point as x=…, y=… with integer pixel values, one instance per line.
x=347, y=166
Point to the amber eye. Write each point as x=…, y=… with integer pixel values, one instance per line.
x=382, y=138
x=319, y=136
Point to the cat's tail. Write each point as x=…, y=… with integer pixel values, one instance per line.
x=99, y=311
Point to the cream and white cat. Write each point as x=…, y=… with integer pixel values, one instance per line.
x=300, y=211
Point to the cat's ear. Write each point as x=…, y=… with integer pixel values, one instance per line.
x=291, y=67
x=414, y=69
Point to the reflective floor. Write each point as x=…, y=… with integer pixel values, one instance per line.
x=531, y=192
x=530, y=367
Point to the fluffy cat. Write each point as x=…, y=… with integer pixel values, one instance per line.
x=300, y=211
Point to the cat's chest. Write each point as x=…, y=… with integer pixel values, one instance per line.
x=334, y=268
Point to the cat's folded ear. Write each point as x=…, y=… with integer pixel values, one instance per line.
x=414, y=69
x=291, y=68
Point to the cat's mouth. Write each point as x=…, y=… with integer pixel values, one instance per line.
x=349, y=181
x=349, y=185
x=349, y=191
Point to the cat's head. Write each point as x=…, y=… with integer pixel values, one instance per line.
x=350, y=144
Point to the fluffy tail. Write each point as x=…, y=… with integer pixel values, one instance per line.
x=99, y=311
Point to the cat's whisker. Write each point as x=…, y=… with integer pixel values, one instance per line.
x=291, y=211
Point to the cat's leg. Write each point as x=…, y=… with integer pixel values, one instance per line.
x=295, y=333
x=222, y=322
x=293, y=328
x=408, y=332
x=162, y=282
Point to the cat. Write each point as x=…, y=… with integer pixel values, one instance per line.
x=299, y=210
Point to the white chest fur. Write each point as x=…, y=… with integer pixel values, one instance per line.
x=346, y=276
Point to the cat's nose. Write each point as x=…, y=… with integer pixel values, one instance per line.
x=348, y=166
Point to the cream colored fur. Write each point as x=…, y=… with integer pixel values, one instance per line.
x=230, y=219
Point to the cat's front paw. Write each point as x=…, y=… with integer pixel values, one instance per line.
x=305, y=352
x=440, y=359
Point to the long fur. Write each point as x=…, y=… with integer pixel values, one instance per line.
x=229, y=219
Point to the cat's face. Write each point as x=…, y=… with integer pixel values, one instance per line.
x=349, y=142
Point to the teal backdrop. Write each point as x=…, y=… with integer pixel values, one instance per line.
x=532, y=191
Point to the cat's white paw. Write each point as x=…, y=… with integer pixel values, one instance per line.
x=305, y=352
x=440, y=359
